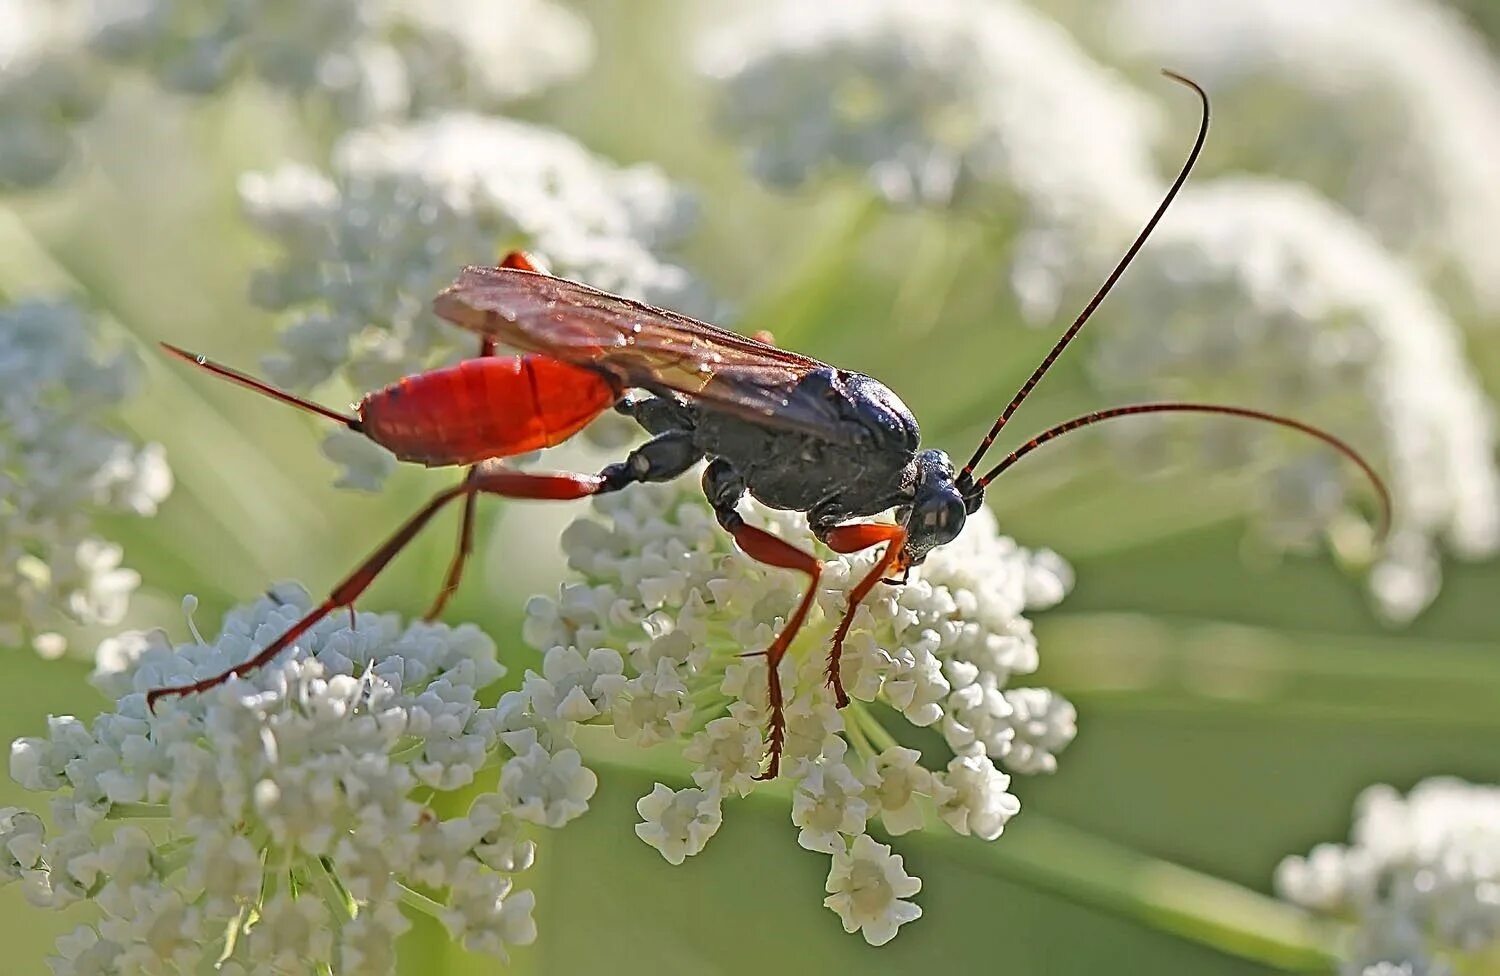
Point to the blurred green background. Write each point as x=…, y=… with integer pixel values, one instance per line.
x=1231, y=704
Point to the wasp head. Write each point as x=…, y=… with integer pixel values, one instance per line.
x=939, y=507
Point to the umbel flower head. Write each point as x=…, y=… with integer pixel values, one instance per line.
x=1419, y=878
x=294, y=812
x=59, y=466
x=366, y=247
x=928, y=100
x=1263, y=293
x=364, y=60
x=47, y=83
x=657, y=636
x=1391, y=107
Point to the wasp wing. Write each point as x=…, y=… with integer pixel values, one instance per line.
x=639, y=345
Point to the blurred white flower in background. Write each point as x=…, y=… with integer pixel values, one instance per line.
x=60, y=465
x=366, y=247
x=365, y=59
x=47, y=82
x=1262, y=293
x=1419, y=878
x=300, y=799
x=1392, y=107
x=938, y=103
x=651, y=639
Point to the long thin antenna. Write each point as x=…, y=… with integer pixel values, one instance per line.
x=1098, y=416
x=1114, y=276
x=235, y=376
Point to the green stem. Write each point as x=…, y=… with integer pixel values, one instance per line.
x=412, y=898
x=1084, y=869
x=138, y=811
x=1089, y=870
x=879, y=734
x=341, y=906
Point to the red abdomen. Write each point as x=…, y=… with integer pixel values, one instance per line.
x=494, y=407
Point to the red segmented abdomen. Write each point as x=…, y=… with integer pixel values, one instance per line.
x=494, y=407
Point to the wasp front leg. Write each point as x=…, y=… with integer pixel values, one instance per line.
x=856, y=537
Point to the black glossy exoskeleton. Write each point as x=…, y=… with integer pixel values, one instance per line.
x=795, y=433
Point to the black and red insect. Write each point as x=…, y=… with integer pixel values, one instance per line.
x=794, y=433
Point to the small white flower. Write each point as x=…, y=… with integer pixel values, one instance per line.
x=828, y=804
x=893, y=781
x=547, y=789
x=678, y=823
x=293, y=793
x=867, y=884
x=1419, y=878
x=653, y=706
x=973, y=797
x=730, y=750
x=1043, y=723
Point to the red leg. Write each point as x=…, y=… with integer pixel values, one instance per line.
x=853, y=538
x=493, y=480
x=521, y=261
x=766, y=548
x=466, y=523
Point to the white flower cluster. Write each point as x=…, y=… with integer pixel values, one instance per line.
x=59, y=466
x=1419, y=878
x=1399, y=117
x=294, y=812
x=932, y=100
x=46, y=83
x=1263, y=294
x=366, y=60
x=652, y=639
x=367, y=247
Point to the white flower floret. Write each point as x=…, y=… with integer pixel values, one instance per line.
x=828, y=804
x=730, y=750
x=678, y=823
x=1043, y=723
x=295, y=796
x=894, y=780
x=545, y=788
x=867, y=884
x=63, y=466
x=974, y=797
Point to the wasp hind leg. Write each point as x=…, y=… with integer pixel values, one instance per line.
x=657, y=460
